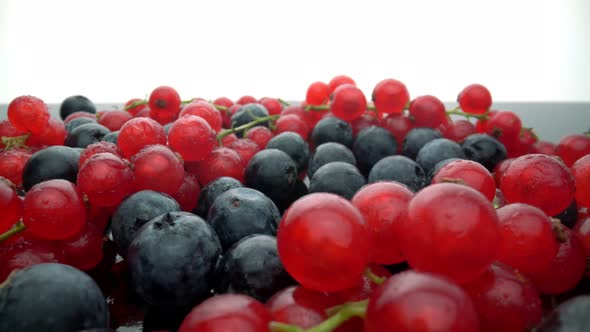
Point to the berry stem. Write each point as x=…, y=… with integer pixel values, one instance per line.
x=344, y=313
x=283, y=102
x=558, y=230
x=246, y=126
x=135, y=104
x=373, y=277
x=317, y=108
x=17, y=228
x=15, y=142
x=220, y=107
x=457, y=111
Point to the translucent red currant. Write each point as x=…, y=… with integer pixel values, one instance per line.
x=338, y=81
x=348, y=102
x=470, y=173
x=138, y=133
x=390, y=96
x=204, y=110
x=157, y=168
x=318, y=93
x=192, y=137
x=10, y=205
x=573, y=147
x=105, y=179
x=475, y=99
x=164, y=99
x=581, y=172
x=29, y=114
x=428, y=111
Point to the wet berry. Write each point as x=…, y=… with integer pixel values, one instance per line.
x=581, y=172
x=572, y=147
x=84, y=250
x=192, y=138
x=29, y=114
x=260, y=136
x=469, y=173
x=105, y=179
x=390, y=96
x=164, y=99
x=427, y=111
x=245, y=148
x=11, y=206
x=475, y=99
x=157, y=168
x=348, y=102
x=318, y=93
x=273, y=105
x=293, y=123
x=114, y=120
x=339, y=80
x=204, y=110
x=12, y=164
x=188, y=193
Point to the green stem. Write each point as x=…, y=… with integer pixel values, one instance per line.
x=373, y=277
x=15, y=142
x=344, y=313
x=135, y=104
x=456, y=111
x=317, y=108
x=17, y=228
x=188, y=101
x=220, y=107
x=283, y=102
x=246, y=126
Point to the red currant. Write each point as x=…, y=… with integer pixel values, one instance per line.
x=310, y=118
x=223, y=101
x=399, y=125
x=260, y=135
x=293, y=123
x=229, y=139
x=323, y=242
x=114, y=120
x=84, y=250
x=29, y=253
x=164, y=99
x=338, y=81
x=227, y=115
x=192, y=137
x=390, y=96
x=12, y=164
x=80, y=114
x=273, y=105
x=428, y=111
x=10, y=205
x=500, y=168
x=245, y=148
x=54, y=210
x=157, y=168
x=28, y=113
x=188, y=193
x=581, y=172
x=105, y=179
x=582, y=230
x=220, y=162
x=348, y=102
x=458, y=130
x=206, y=111
x=366, y=120
x=318, y=93
x=470, y=173
x=140, y=106
x=572, y=147
x=244, y=100
x=138, y=133
x=98, y=147
x=475, y=99
x=544, y=147
x=504, y=125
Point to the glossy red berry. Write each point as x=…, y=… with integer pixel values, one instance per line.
x=27, y=253
x=566, y=269
x=244, y=100
x=348, y=102
x=527, y=241
x=470, y=173
x=80, y=114
x=8, y=130
x=188, y=193
x=54, y=210
x=138, y=133
x=12, y=164
x=383, y=205
x=98, y=147
x=544, y=147
x=157, y=168
x=164, y=99
x=133, y=111
x=229, y=139
x=221, y=162
x=227, y=115
x=318, y=93
x=390, y=96
x=539, y=180
x=475, y=99
x=504, y=125
x=192, y=137
x=458, y=130
x=227, y=312
x=366, y=120
x=105, y=179
x=29, y=114
x=581, y=172
x=440, y=227
x=505, y=300
x=398, y=125
x=582, y=231
x=309, y=117
x=273, y=105
x=245, y=148
x=415, y=301
x=223, y=101
x=10, y=205
x=338, y=81
x=54, y=134
x=293, y=123
x=500, y=168
x=572, y=147
x=206, y=111
x=428, y=111
x=260, y=135
x=114, y=120
x=323, y=242
x=84, y=250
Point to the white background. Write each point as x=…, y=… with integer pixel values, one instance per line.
x=523, y=50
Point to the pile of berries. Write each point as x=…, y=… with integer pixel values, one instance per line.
x=335, y=214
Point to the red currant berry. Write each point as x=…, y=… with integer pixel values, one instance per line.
x=192, y=137
x=133, y=111
x=428, y=111
x=481, y=126
x=581, y=172
x=475, y=99
x=244, y=100
x=323, y=242
x=12, y=164
x=458, y=130
x=188, y=193
x=383, y=204
x=310, y=118
x=54, y=134
x=539, y=180
x=157, y=168
x=28, y=113
x=544, y=147
x=527, y=241
x=223, y=101
x=390, y=96
x=260, y=135
x=164, y=99
x=163, y=118
x=220, y=162
x=582, y=230
x=273, y=105
x=366, y=120
x=504, y=125
x=442, y=221
x=227, y=115
x=29, y=253
x=500, y=169
x=411, y=301
x=114, y=120
x=138, y=133
x=348, y=102
x=10, y=205
x=399, y=125
x=227, y=312
x=505, y=300
x=566, y=269
x=84, y=250
x=245, y=148
x=80, y=114
x=8, y=130
x=572, y=147
x=293, y=123
x=105, y=179
x=470, y=173
x=98, y=147
x=338, y=81
x=54, y=210
x=318, y=93
x=144, y=113
x=229, y=139
x=206, y=111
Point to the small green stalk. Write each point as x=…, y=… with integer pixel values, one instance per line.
x=283, y=102
x=247, y=126
x=457, y=111
x=135, y=104
x=17, y=228
x=373, y=277
x=317, y=108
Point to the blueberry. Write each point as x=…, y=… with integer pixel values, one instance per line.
x=247, y=114
x=400, y=169
x=112, y=137
x=293, y=145
x=51, y=297
x=54, y=162
x=332, y=129
x=569, y=316
x=86, y=134
x=74, y=104
x=210, y=192
x=272, y=172
x=299, y=191
x=338, y=178
x=327, y=153
x=371, y=145
x=569, y=216
x=172, y=259
x=135, y=211
x=253, y=267
x=416, y=139
x=77, y=123
x=484, y=149
x=240, y=212
x=437, y=150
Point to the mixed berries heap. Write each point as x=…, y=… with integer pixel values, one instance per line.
x=345, y=212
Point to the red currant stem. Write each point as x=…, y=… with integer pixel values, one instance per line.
x=317, y=108
x=530, y=130
x=15, y=142
x=220, y=107
x=558, y=230
x=373, y=277
x=333, y=310
x=407, y=106
x=17, y=228
x=456, y=111
x=246, y=126
x=346, y=312
x=283, y=102
x=135, y=104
